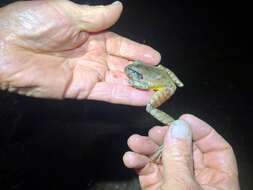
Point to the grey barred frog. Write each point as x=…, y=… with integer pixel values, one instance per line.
x=160, y=79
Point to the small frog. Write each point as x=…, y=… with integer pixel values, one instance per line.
x=158, y=78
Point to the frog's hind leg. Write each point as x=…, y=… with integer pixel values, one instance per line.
x=161, y=116
x=157, y=99
x=157, y=155
x=172, y=76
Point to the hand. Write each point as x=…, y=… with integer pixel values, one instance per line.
x=59, y=49
x=195, y=157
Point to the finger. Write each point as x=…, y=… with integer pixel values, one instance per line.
x=123, y=47
x=215, y=148
x=157, y=134
x=141, y=164
x=119, y=94
x=117, y=63
x=205, y=137
x=134, y=160
x=116, y=78
x=177, y=153
x=150, y=176
x=95, y=18
x=142, y=144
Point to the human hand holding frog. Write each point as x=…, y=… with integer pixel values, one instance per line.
x=59, y=49
x=195, y=157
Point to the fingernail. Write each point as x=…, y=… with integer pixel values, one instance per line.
x=180, y=129
x=147, y=55
x=116, y=2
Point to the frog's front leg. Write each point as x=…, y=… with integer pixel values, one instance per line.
x=156, y=100
x=139, y=85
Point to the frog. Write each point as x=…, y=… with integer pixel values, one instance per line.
x=162, y=81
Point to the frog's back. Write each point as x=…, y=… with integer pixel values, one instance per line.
x=156, y=75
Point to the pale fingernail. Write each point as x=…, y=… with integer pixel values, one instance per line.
x=147, y=55
x=180, y=129
x=116, y=3
x=154, y=56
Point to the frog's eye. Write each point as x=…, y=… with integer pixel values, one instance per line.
x=134, y=74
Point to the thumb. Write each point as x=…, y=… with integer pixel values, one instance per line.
x=177, y=153
x=95, y=18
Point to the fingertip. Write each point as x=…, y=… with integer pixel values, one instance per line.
x=118, y=5
x=116, y=8
x=128, y=159
x=134, y=160
x=157, y=134
x=98, y=18
x=188, y=117
x=179, y=130
x=142, y=144
x=160, y=130
x=151, y=56
x=133, y=139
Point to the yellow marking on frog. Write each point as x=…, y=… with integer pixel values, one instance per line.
x=156, y=88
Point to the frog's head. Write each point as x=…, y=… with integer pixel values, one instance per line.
x=135, y=70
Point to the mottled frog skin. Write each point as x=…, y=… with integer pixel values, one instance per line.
x=158, y=78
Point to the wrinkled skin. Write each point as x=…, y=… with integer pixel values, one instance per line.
x=205, y=161
x=58, y=49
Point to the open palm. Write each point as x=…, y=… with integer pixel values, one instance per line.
x=59, y=49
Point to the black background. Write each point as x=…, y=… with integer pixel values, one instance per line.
x=48, y=144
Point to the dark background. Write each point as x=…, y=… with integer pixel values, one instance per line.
x=47, y=144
